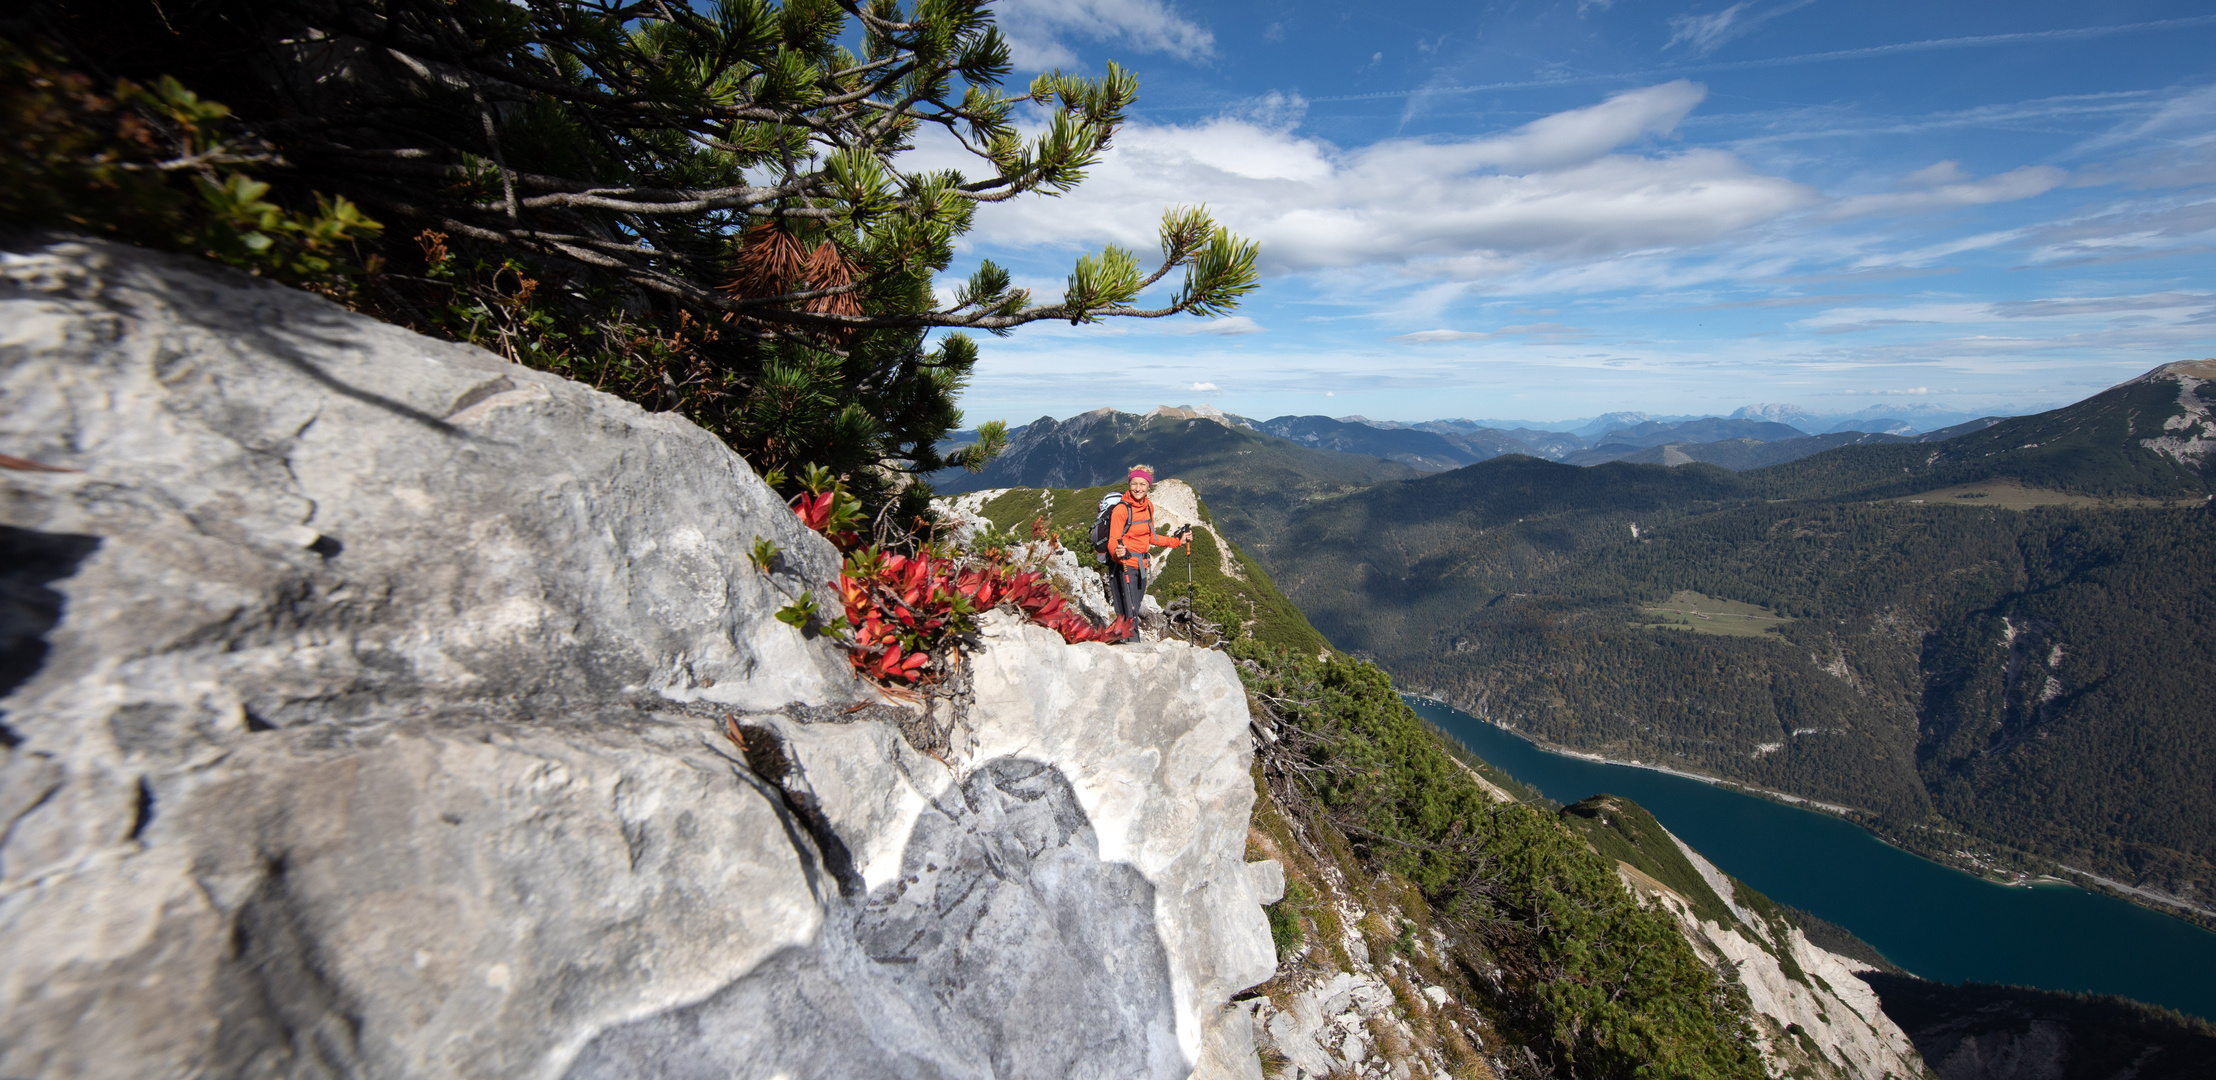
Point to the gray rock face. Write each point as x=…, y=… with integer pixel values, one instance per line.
x=917, y=980
x=362, y=700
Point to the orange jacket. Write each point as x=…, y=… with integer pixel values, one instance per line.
x=1131, y=532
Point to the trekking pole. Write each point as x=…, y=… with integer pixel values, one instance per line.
x=1190, y=617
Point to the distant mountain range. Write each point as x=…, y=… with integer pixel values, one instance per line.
x=1903, y=418
x=1997, y=641
x=1049, y=452
x=1257, y=477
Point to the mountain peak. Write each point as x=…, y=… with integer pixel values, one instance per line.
x=1203, y=411
x=1774, y=413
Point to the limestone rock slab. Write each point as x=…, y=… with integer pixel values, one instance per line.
x=362, y=712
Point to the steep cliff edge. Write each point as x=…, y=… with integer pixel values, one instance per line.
x=1814, y=1014
x=364, y=714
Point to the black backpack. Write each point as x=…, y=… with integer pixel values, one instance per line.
x=1100, y=524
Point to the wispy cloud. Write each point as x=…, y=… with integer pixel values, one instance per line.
x=1204, y=388
x=1704, y=34
x=2101, y=305
x=1801, y=125
x=2185, y=118
x=2006, y=187
x=1978, y=41
x=1782, y=301
x=2139, y=228
x=2124, y=257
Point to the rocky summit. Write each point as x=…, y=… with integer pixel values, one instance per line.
x=377, y=707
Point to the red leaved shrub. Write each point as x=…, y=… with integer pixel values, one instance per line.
x=903, y=608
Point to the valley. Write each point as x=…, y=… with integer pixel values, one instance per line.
x=2008, y=675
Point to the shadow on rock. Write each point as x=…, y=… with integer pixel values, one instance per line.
x=1977, y=1031
x=30, y=561
x=1006, y=948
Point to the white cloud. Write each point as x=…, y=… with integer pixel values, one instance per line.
x=2004, y=187
x=1226, y=326
x=1035, y=30
x=1435, y=337
x=1274, y=111
x=1205, y=388
x=1935, y=175
x=1460, y=209
x=1581, y=135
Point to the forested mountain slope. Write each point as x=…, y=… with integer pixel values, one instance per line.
x=2034, y=677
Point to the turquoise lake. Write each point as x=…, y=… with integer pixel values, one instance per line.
x=1939, y=923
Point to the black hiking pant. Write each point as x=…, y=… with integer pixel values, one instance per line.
x=1127, y=589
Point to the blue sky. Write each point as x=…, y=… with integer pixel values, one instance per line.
x=1555, y=209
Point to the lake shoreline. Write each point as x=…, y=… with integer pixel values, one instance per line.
x=1835, y=809
x=2150, y=899
x=1932, y=916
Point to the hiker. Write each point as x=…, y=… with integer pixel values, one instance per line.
x=1130, y=535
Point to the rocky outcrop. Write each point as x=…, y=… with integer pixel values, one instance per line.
x=1079, y=580
x=375, y=707
x=1813, y=1014
x=1176, y=504
x=2190, y=433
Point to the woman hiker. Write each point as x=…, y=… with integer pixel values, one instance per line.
x=1130, y=535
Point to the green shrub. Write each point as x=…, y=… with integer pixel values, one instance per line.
x=1285, y=916
x=1596, y=983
